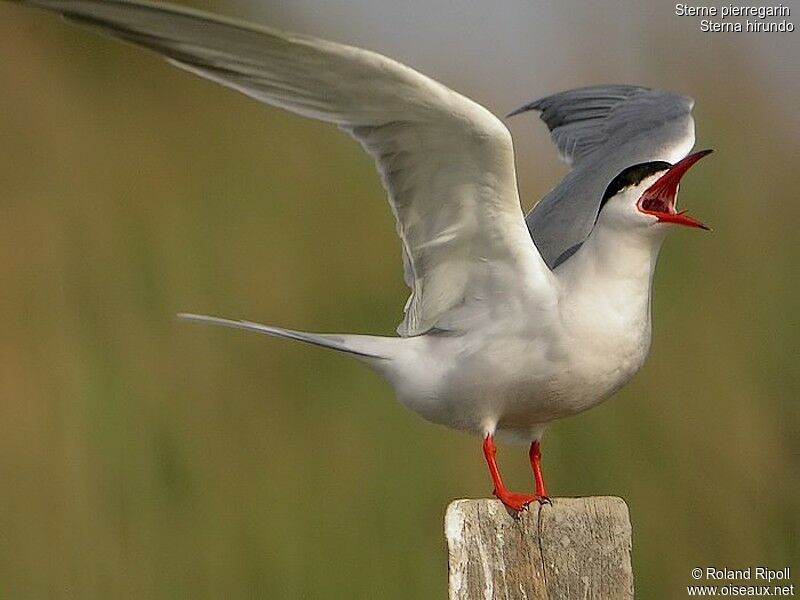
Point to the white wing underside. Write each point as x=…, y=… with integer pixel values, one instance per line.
x=446, y=162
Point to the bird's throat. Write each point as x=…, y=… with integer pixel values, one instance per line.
x=610, y=276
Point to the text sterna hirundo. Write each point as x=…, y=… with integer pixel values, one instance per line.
x=501, y=335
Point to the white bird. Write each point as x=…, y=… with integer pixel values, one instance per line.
x=501, y=335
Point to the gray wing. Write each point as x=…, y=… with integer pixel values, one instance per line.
x=599, y=131
x=446, y=161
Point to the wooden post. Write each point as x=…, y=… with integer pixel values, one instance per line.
x=574, y=548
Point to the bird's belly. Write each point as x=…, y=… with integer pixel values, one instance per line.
x=520, y=385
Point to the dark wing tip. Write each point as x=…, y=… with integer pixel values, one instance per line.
x=535, y=105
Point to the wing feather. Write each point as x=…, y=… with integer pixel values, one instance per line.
x=446, y=162
x=599, y=131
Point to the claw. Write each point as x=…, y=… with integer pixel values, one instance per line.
x=516, y=502
x=512, y=500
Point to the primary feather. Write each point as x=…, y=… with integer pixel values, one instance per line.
x=446, y=162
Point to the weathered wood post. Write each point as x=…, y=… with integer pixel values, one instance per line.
x=573, y=548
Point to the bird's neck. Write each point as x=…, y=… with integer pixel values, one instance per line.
x=610, y=276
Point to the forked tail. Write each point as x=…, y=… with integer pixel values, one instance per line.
x=363, y=346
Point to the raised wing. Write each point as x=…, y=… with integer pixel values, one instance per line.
x=446, y=161
x=599, y=131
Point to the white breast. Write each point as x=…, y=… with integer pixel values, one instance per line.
x=504, y=378
x=525, y=368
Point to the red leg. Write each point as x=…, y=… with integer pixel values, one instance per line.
x=536, y=464
x=517, y=502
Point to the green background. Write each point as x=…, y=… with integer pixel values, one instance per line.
x=144, y=458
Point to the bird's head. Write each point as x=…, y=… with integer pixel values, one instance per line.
x=645, y=195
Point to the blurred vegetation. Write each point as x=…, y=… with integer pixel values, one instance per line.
x=143, y=458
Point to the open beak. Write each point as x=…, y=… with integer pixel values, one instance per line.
x=659, y=199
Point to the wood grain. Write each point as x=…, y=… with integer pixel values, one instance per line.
x=573, y=548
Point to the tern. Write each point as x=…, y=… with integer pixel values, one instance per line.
x=512, y=322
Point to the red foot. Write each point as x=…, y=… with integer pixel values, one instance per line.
x=516, y=502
